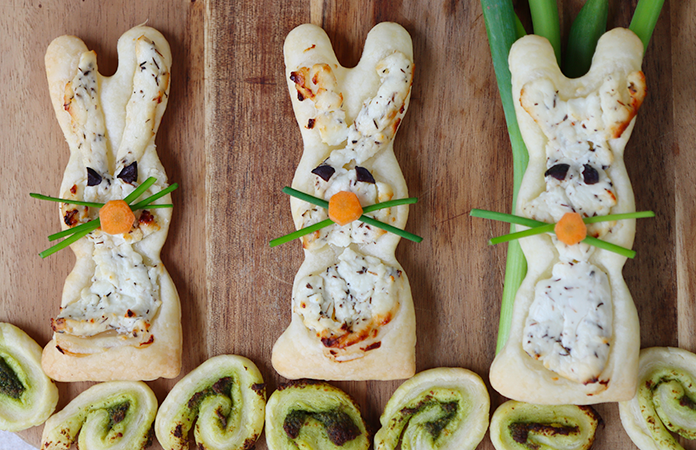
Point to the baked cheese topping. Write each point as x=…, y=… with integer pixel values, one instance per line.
x=121, y=278
x=344, y=302
x=123, y=295
x=569, y=323
x=348, y=168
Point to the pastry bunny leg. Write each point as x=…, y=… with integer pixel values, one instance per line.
x=119, y=303
x=352, y=306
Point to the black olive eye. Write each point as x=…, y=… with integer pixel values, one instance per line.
x=324, y=171
x=558, y=171
x=129, y=174
x=590, y=174
x=364, y=175
x=93, y=178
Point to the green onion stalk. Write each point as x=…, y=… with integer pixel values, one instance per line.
x=501, y=28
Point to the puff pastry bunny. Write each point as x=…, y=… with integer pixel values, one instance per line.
x=352, y=316
x=120, y=312
x=574, y=337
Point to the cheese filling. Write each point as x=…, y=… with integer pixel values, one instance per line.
x=345, y=301
x=569, y=326
x=123, y=295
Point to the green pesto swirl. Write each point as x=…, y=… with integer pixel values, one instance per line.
x=445, y=408
x=665, y=402
x=314, y=415
x=224, y=397
x=116, y=415
x=524, y=426
x=27, y=395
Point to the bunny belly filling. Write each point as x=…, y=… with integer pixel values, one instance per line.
x=569, y=325
x=347, y=303
x=123, y=296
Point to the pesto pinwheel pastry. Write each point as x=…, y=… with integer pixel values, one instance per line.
x=574, y=337
x=27, y=395
x=314, y=415
x=444, y=408
x=521, y=426
x=225, y=397
x=665, y=402
x=352, y=311
x=116, y=415
x=119, y=302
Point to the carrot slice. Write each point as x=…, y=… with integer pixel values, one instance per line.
x=571, y=229
x=116, y=217
x=344, y=207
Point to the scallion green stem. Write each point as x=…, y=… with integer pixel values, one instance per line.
x=369, y=220
x=164, y=205
x=645, y=18
x=146, y=202
x=503, y=217
x=66, y=200
x=586, y=30
x=306, y=197
x=541, y=227
x=301, y=232
x=140, y=190
x=621, y=216
x=389, y=204
x=499, y=17
x=519, y=28
x=391, y=229
x=547, y=228
x=93, y=225
x=623, y=251
x=78, y=229
x=546, y=24
x=519, y=220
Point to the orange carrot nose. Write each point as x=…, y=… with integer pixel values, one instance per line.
x=570, y=229
x=116, y=217
x=344, y=207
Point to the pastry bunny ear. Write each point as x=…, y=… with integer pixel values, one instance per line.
x=308, y=45
x=149, y=93
x=137, y=45
x=62, y=59
x=110, y=118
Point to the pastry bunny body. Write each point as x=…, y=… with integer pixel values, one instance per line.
x=574, y=336
x=353, y=315
x=120, y=312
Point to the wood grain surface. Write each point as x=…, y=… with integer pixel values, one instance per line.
x=229, y=138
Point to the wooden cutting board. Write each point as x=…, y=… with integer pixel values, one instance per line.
x=229, y=138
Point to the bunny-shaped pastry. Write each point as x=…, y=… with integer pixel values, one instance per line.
x=352, y=316
x=574, y=337
x=120, y=313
